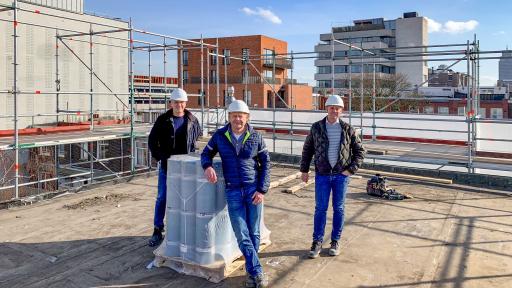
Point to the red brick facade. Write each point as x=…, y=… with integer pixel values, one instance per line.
x=260, y=91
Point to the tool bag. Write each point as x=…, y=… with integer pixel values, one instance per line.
x=377, y=186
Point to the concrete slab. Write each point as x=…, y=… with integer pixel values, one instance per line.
x=447, y=236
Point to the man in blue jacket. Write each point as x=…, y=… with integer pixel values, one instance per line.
x=174, y=132
x=246, y=168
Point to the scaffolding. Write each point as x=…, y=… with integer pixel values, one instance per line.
x=106, y=153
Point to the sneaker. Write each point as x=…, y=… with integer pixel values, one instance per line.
x=249, y=281
x=315, y=249
x=261, y=281
x=157, y=237
x=335, y=248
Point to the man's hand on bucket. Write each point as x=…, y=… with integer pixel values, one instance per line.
x=210, y=175
x=257, y=198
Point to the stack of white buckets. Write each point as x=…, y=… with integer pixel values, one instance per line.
x=198, y=227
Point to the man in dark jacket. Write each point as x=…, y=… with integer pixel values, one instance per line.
x=246, y=168
x=174, y=132
x=338, y=154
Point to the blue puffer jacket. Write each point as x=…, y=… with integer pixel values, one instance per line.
x=250, y=167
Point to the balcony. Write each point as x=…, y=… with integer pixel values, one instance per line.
x=239, y=80
x=280, y=63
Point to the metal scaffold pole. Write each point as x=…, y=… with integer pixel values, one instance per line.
x=15, y=96
x=91, y=89
x=132, y=135
x=91, y=113
x=201, y=95
x=291, y=104
x=468, y=108
x=273, y=99
x=165, y=76
x=217, y=81
x=361, y=105
x=207, y=94
x=57, y=111
x=57, y=80
x=150, y=92
x=374, y=136
x=332, y=63
x=350, y=86
x=180, y=65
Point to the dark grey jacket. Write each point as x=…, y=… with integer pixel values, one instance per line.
x=161, y=140
x=351, y=152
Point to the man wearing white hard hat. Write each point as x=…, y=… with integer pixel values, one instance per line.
x=338, y=154
x=174, y=132
x=246, y=168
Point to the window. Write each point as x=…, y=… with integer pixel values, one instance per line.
x=338, y=54
x=227, y=54
x=428, y=110
x=185, y=58
x=213, y=58
x=323, y=83
x=324, y=69
x=84, y=151
x=267, y=73
x=482, y=112
x=324, y=55
x=461, y=111
x=340, y=69
x=245, y=75
x=245, y=55
x=496, y=113
x=442, y=110
x=355, y=53
x=213, y=76
x=356, y=68
x=268, y=56
x=141, y=154
x=62, y=151
x=101, y=151
x=247, y=97
x=185, y=76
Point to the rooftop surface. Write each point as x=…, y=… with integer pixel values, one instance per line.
x=447, y=236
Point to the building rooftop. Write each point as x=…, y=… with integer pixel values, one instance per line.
x=454, y=236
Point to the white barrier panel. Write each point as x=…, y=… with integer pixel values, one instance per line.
x=403, y=125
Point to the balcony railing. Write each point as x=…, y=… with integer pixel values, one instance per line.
x=238, y=80
x=281, y=63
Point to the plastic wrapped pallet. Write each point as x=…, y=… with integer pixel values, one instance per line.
x=199, y=239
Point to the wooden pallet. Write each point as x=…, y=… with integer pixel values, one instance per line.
x=213, y=273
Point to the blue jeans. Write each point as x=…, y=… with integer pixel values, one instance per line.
x=161, y=199
x=245, y=220
x=323, y=186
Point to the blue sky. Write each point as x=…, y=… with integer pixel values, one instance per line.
x=300, y=22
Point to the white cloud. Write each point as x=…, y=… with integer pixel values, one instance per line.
x=498, y=33
x=452, y=27
x=460, y=27
x=433, y=26
x=263, y=13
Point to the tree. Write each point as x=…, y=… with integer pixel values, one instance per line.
x=387, y=89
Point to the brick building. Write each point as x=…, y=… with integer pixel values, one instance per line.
x=253, y=84
x=442, y=77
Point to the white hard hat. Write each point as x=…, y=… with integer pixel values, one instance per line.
x=334, y=100
x=238, y=106
x=179, y=94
